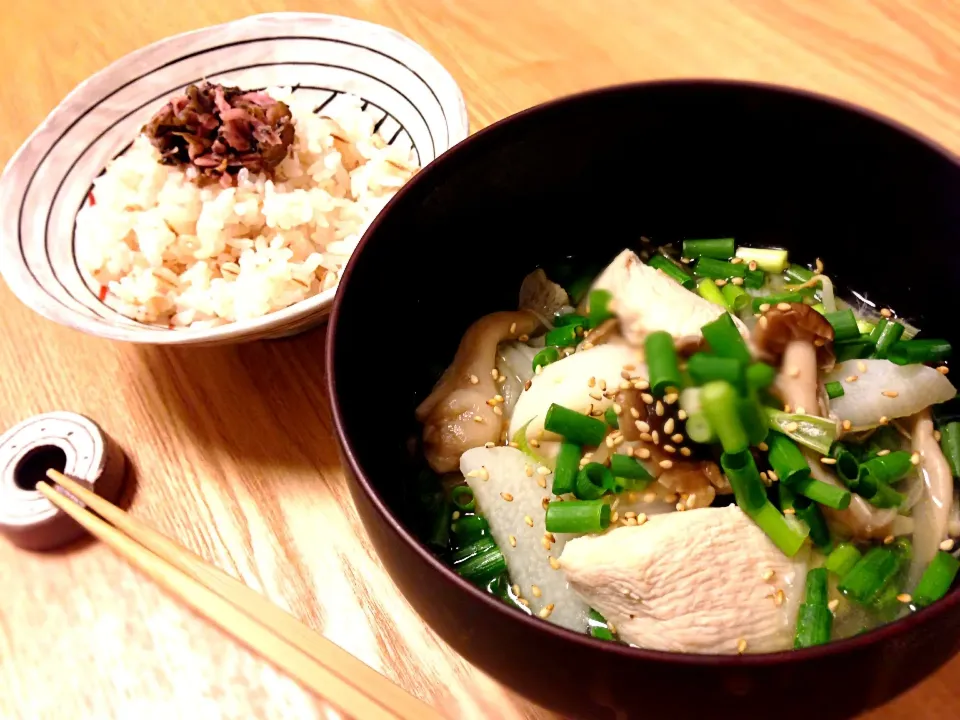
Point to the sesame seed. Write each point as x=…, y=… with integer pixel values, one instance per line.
x=534, y=443
x=904, y=597
x=542, y=482
x=545, y=612
x=763, y=447
x=642, y=426
x=455, y=515
x=528, y=470
x=861, y=366
x=680, y=507
x=779, y=597
x=528, y=520
x=523, y=601
x=544, y=503
x=828, y=461
x=801, y=410
x=846, y=424
x=772, y=475
x=523, y=338
x=643, y=454
x=513, y=541
x=507, y=496
x=513, y=328
x=915, y=458
x=641, y=384
x=647, y=398
x=641, y=518
x=885, y=312
x=783, y=306
x=666, y=464
x=609, y=441
x=513, y=444
x=554, y=563
x=752, y=265
x=737, y=281
x=618, y=408
x=550, y=537
x=474, y=379
x=691, y=499
x=682, y=415
x=764, y=307
x=787, y=408
x=685, y=451
x=720, y=282
x=789, y=511
x=884, y=420
x=503, y=378
x=947, y=545
x=516, y=589
x=736, y=260
x=768, y=574
x=677, y=438
x=634, y=412
x=833, y=605
x=494, y=373
x=655, y=437
x=473, y=474
x=741, y=643
x=791, y=427
x=659, y=409
x=489, y=445
x=882, y=453
x=763, y=322
x=543, y=470
x=591, y=382
x=671, y=398
x=888, y=539
x=629, y=451
x=498, y=410
x=596, y=396
x=794, y=372
x=763, y=476
x=646, y=437
x=528, y=384
x=669, y=448
x=943, y=369
x=937, y=435
x=477, y=419
x=535, y=591
x=890, y=393
x=852, y=378
x=614, y=517
x=484, y=474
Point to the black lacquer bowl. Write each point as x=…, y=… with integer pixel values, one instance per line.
x=584, y=177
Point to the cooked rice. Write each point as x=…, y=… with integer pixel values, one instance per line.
x=173, y=253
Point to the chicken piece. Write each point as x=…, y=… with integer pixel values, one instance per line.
x=931, y=514
x=646, y=300
x=691, y=582
x=567, y=382
x=457, y=416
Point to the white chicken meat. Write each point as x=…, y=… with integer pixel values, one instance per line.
x=700, y=581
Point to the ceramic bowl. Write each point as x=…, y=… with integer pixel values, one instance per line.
x=583, y=177
x=323, y=56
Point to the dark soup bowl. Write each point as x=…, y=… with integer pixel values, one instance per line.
x=577, y=180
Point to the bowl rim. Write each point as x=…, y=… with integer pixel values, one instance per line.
x=319, y=305
x=447, y=162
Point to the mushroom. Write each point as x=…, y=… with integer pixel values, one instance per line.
x=931, y=514
x=462, y=410
x=788, y=322
x=861, y=519
x=542, y=296
x=602, y=333
x=692, y=479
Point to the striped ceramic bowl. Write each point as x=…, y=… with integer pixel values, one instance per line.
x=322, y=56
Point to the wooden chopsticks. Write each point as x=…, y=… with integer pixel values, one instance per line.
x=305, y=655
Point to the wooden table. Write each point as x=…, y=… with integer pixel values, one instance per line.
x=232, y=446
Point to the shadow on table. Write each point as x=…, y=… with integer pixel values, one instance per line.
x=263, y=403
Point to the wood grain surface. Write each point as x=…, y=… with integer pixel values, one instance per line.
x=233, y=448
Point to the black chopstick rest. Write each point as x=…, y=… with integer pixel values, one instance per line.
x=64, y=441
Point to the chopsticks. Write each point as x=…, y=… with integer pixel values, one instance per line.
x=305, y=655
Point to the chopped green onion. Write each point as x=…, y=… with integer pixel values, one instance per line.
x=844, y=324
x=593, y=481
x=774, y=300
x=480, y=562
x=469, y=528
x=577, y=516
x=842, y=559
x=950, y=445
x=751, y=497
x=610, y=417
x=699, y=429
x=601, y=633
x=439, y=536
x=718, y=269
x=910, y=352
x=936, y=579
x=754, y=279
x=865, y=581
x=814, y=619
x=599, y=628
x=725, y=340
x=798, y=275
x=719, y=402
x=787, y=460
x=847, y=466
x=853, y=349
x=721, y=248
x=754, y=422
x=771, y=261
x=564, y=336
x=889, y=468
x=834, y=390
x=672, y=270
x=865, y=326
x=760, y=376
x=598, y=304
x=888, y=335
x=573, y=426
x=569, y=319
x=627, y=467
x=568, y=465
x=735, y=296
x=704, y=368
x=819, y=308
x=823, y=493
x=708, y=290
x=810, y=513
x=811, y=431
x=662, y=363
x=462, y=498
x=886, y=497
x=545, y=357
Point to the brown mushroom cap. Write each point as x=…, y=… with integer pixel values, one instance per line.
x=781, y=325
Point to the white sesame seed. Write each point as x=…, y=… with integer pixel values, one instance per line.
x=513, y=541
x=655, y=437
x=528, y=520
x=596, y=396
x=801, y=410
x=764, y=307
x=671, y=398
x=554, y=563
x=682, y=415
x=534, y=443
x=947, y=545
x=543, y=470
x=614, y=517
x=884, y=420
x=642, y=426
x=737, y=281
x=535, y=591
x=915, y=458
x=649, y=497
x=498, y=410
x=828, y=461
x=885, y=312
x=507, y=496
x=763, y=322
x=603, y=384
x=793, y=372
x=883, y=452
x=539, y=370
x=852, y=378
x=545, y=502
x=643, y=454
x=787, y=408
x=789, y=511
x=641, y=384
x=890, y=393
x=861, y=366
x=791, y=427
x=513, y=328
x=647, y=398
x=937, y=435
x=528, y=470
x=943, y=369
x=523, y=338
x=473, y=474
x=677, y=438
x=455, y=515
x=768, y=574
x=720, y=282
x=778, y=597
x=618, y=409
x=477, y=419
x=592, y=382
x=833, y=605
x=641, y=518
x=772, y=475
x=634, y=412
x=666, y=464
x=494, y=373
x=484, y=473
x=545, y=612
x=659, y=409
x=888, y=539
x=904, y=597
x=741, y=643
